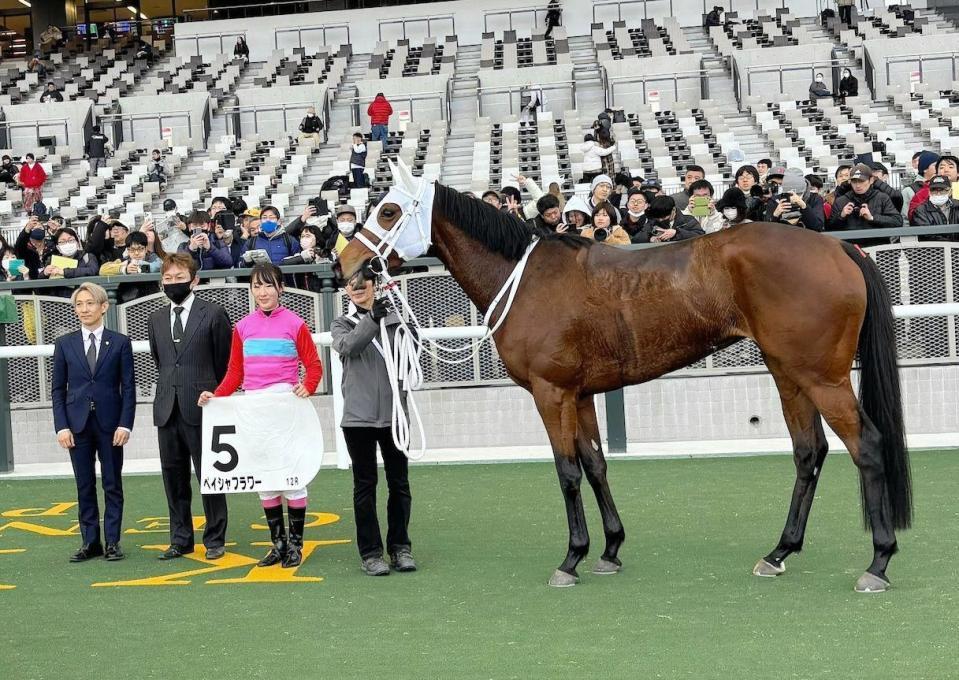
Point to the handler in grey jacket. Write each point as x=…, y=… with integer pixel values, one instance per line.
x=367, y=414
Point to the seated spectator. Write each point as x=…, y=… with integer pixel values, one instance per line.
x=818, y=89
x=51, y=94
x=795, y=204
x=311, y=126
x=939, y=209
x=604, y=227
x=51, y=38
x=8, y=171
x=358, y=161
x=29, y=247
x=864, y=207
x=693, y=173
x=272, y=238
x=204, y=246
x=68, y=245
x=145, y=51
x=593, y=155
x=635, y=217
x=715, y=17
x=708, y=218
x=156, y=169
x=576, y=216
x=848, y=84
x=926, y=166
x=38, y=67
x=665, y=223
x=31, y=178
x=549, y=217
x=734, y=206
x=762, y=167
x=241, y=50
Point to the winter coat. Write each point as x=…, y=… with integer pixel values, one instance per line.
x=51, y=96
x=927, y=215
x=617, y=236
x=846, y=189
x=633, y=226
x=96, y=146
x=101, y=245
x=216, y=257
x=819, y=90
x=311, y=125
x=379, y=111
x=908, y=193
x=156, y=171
x=709, y=223
x=593, y=156
x=32, y=178
x=812, y=217
x=685, y=226
x=279, y=245
x=87, y=264
x=8, y=172
x=241, y=49
x=32, y=260
x=367, y=397
x=885, y=215
x=849, y=87
x=119, y=267
x=358, y=155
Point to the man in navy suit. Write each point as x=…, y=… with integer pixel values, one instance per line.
x=94, y=402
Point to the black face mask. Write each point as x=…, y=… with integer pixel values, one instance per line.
x=177, y=292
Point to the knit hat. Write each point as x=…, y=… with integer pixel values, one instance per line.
x=794, y=182
x=927, y=158
x=600, y=179
x=732, y=198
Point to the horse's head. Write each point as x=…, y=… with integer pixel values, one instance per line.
x=397, y=230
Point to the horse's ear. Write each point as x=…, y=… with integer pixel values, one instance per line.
x=395, y=173
x=407, y=174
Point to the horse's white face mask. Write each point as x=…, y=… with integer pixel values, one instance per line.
x=411, y=235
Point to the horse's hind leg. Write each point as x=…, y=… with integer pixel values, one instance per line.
x=590, y=449
x=809, y=453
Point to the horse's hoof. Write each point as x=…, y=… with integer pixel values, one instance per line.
x=604, y=567
x=560, y=579
x=764, y=568
x=870, y=583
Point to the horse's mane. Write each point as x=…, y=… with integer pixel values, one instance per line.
x=501, y=232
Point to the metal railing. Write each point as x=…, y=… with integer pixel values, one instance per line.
x=535, y=11
x=232, y=115
x=6, y=126
x=124, y=119
x=781, y=69
x=428, y=20
x=300, y=30
x=921, y=59
x=272, y=8
x=618, y=4
x=195, y=39
x=508, y=90
x=709, y=4
x=443, y=98
x=701, y=74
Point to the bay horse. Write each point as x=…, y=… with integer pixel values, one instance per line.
x=589, y=318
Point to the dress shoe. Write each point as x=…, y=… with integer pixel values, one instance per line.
x=402, y=560
x=215, y=553
x=113, y=553
x=86, y=552
x=175, y=551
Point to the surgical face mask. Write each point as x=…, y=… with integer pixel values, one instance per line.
x=68, y=249
x=346, y=228
x=268, y=226
x=636, y=215
x=938, y=199
x=307, y=242
x=846, y=74
x=818, y=79
x=730, y=213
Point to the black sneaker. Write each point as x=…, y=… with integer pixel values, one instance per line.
x=113, y=553
x=375, y=566
x=402, y=560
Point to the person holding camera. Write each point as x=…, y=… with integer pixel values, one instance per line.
x=702, y=207
x=665, y=223
x=865, y=207
x=204, y=247
x=137, y=260
x=366, y=423
x=604, y=227
x=795, y=204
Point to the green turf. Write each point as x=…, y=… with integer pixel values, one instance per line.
x=487, y=538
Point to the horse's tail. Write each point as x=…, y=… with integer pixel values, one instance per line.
x=879, y=392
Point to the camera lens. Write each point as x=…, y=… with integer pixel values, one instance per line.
x=601, y=234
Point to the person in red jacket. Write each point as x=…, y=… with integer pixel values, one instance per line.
x=32, y=177
x=379, y=112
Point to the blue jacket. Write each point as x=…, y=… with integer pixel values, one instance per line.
x=278, y=248
x=217, y=257
x=111, y=389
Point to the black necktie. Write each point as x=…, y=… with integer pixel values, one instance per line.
x=178, y=326
x=92, y=354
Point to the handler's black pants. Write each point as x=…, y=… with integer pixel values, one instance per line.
x=361, y=443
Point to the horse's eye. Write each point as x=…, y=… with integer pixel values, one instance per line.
x=387, y=213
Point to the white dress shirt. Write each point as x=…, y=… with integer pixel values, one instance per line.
x=185, y=314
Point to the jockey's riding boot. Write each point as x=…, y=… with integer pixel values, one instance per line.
x=274, y=519
x=294, y=553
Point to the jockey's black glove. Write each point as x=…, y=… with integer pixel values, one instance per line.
x=381, y=307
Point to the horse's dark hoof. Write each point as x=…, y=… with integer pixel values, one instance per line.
x=560, y=579
x=604, y=567
x=870, y=583
x=764, y=568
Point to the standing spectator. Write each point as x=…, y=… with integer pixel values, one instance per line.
x=204, y=247
x=848, y=85
x=763, y=166
x=531, y=101
x=187, y=364
x=171, y=230
x=734, y=207
x=51, y=94
x=881, y=174
x=53, y=224
x=818, y=89
x=841, y=177
x=30, y=248
x=593, y=155
x=635, y=218
x=136, y=260
x=604, y=227
x=241, y=50
x=94, y=401
x=795, y=204
x=948, y=167
x=51, y=38
x=366, y=423
x=553, y=16
x=576, y=216
x=913, y=185
x=7, y=257
x=493, y=198
x=96, y=149
x=379, y=112
x=708, y=217
x=926, y=166
x=232, y=239
x=693, y=173
x=346, y=220
x=865, y=207
x=8, y=171
x=747, y=181
x=156, y=169
x=549, y=214
x=106, y=238
x=311, y=126
x=358, y=161
x=556, y=191
x=665, y=223
x=939, y=209
x=845, y=11
x=282, y=342
x=31, y=178
x=652, y=187
x=600, y=190
x=514, y=198
x=273, y=238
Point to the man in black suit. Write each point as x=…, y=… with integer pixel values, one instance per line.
x=94, y=402
x=190, y=343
